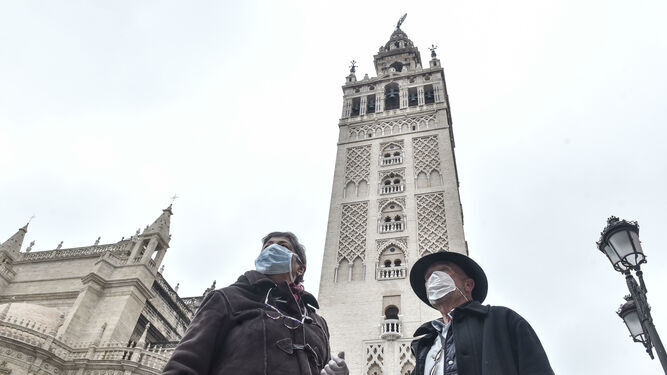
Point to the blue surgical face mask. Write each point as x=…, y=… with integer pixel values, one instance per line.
x=273, y=260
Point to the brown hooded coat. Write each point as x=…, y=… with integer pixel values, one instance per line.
x=232, y=333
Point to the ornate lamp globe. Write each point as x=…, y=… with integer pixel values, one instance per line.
x=628, y=312
x=619, y=241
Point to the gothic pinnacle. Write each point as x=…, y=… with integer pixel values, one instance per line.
x=14, y=243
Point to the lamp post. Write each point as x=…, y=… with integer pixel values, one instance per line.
x=619, y=241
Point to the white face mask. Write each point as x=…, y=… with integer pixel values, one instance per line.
x=438, y=285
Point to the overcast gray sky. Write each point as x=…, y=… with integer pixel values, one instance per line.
x=108, y=108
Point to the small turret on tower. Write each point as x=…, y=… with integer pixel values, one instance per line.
x=352, y=77
x=153, y=242
x=435, y=61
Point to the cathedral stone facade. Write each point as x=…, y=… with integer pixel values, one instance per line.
x=395, y=198
x=100, y=309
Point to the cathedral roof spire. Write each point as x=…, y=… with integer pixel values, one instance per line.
x=161, y=225
x=14, y=243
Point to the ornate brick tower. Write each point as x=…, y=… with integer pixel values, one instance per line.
x=395, y=198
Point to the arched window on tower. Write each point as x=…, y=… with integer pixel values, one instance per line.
x=398, y=66
x=356, y=107
x=391, y=184
x=370, y=104
x=391, y=264
x=429, y=94
x=392, y=218
x=392, y=154
x=391, y=312
x=391, y=327
x=357, y=270
x=391, y=96
x=413, y=99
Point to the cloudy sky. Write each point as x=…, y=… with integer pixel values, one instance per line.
x=107, y=109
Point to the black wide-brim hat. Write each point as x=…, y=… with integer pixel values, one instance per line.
x=469, y=266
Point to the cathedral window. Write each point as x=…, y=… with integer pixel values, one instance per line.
x=413, y=99
x=387, y=263
x=391, y=96
x=429, y=94
x=142, y=250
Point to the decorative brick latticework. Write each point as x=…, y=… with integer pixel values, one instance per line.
x=398, y=143
x=352, y=241
x=406, y=360
x=374, y=358
x=358, y=164
x=431, y=223
x=383, y=202
x=400, y=242
x=396, y=126
x=398, y=172
x=426, y=154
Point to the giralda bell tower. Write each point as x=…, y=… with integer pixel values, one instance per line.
x=395, y=198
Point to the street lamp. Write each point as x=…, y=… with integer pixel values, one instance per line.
x=628, y=312
x=619, y=241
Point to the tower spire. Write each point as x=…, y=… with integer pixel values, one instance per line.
x=161, y=225
x=14, y=243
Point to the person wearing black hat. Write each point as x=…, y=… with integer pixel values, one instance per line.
x=470, y=338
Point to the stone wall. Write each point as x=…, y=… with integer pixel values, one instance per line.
x=27, y=347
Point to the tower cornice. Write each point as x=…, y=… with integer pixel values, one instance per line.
x=391, y=77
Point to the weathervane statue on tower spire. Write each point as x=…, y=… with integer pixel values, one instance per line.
x=433, y=48
x=400, y=21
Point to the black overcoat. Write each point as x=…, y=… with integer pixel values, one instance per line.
x=489, y=340
x=232, y=333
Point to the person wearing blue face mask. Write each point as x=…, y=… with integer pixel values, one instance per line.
x=264, y=323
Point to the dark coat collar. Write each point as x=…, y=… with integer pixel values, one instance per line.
x=261, y=282
x=472, y=307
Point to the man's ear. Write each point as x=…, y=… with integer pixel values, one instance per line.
x=470, y=285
